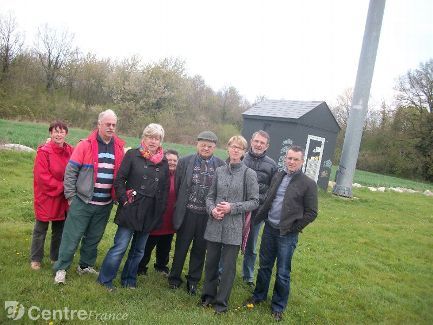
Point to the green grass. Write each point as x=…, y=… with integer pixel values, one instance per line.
x=366, y=260
x=33, y=134
x=372, y=179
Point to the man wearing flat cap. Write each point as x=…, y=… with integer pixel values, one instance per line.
x=194, y=176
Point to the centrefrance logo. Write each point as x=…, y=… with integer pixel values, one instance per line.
x=15, y=311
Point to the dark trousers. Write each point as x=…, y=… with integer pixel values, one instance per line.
x=192, y=230
x=218, y=294
x=38, y=240
x=163, y=246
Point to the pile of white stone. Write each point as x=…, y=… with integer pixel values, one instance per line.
x=16, y=147
x=383, y=189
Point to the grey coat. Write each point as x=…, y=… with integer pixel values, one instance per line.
x=228, y=185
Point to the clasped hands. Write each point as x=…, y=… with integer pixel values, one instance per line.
x=221, y=210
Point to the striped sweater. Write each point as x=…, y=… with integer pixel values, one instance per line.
x=84, y=167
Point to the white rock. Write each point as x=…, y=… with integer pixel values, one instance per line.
x=373, y=189
x=428, y=193
x=357, y=185
x=381, y=189
x=16, y=147
x=396, y=189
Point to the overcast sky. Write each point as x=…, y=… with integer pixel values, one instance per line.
x=296, y=50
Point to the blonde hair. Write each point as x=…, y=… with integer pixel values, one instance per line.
x=153, y=130
x=238, y=139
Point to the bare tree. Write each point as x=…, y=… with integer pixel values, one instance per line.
x=342, y=109
x=416, y=88
x=11, y=42
x=53, y=49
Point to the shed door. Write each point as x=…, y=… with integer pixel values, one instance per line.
x=314, y=153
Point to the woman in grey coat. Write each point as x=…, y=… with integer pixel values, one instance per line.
x=234, y=192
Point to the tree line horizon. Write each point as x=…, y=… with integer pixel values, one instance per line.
x=55, y=80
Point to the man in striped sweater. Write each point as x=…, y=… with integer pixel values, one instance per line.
x=88, y=185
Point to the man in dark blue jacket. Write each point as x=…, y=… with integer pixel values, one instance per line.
x=290, y=205
x=265, y=168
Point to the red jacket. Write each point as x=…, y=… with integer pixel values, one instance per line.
x=50, y=203
x=167, y=219
x=82, y=169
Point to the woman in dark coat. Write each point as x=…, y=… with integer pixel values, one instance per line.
x=141, y=186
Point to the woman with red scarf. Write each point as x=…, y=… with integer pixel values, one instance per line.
x=50, y=203
x=142, y=186
x=162, y=237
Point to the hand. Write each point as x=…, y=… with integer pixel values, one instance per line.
x=224, y=207
x=217, y=214
x=70, y=200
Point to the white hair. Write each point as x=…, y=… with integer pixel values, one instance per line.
x=105, y=113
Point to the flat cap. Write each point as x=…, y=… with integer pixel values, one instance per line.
x=207, y=136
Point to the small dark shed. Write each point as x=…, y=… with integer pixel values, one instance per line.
x=308, y=124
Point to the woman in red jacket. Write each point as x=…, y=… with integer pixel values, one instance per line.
x=49, y=201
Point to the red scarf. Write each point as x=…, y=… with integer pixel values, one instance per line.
x=155, y=158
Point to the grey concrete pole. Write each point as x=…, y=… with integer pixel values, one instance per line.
x=361, y=93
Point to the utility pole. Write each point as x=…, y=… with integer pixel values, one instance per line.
x=361, y=93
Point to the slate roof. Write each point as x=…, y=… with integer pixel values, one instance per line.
x=290, y=109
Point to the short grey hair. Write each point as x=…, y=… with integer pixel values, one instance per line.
x=105, y=113
x=153, y=130
x=263, y=134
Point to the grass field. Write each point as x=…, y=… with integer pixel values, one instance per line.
x=33, y=134
x=363, y=261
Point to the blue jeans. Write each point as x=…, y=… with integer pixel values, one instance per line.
x=250, y=253
x=275, y=246
x=114, y=256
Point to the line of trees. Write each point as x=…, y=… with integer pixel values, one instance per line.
x=53, y=79
x=397, y=140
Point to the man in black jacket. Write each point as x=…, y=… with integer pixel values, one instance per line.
x=290, y=205
x=265, y=168
x=194, y=177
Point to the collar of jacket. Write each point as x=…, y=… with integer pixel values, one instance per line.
x=252, y=154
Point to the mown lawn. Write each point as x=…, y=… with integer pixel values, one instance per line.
x=366, y=260
x=32, y=134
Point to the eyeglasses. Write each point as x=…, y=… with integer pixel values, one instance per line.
x=236, y=147
x=110, y=124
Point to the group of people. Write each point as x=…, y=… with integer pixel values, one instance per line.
x=206, y=201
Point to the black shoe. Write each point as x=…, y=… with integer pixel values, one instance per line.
x=174, y=286
x=220, y=312
x=164, y=271
x=278, y=315
x=250, y=284
x=191, y=288
x=204, y=303
x=142, y=272
x=251, y=303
